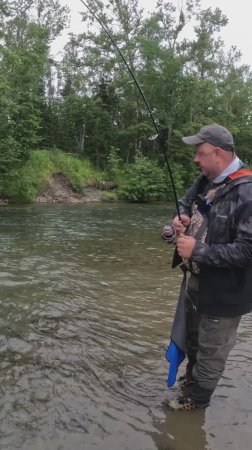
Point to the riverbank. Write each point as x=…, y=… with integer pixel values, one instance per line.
x=59, y=189
x=51, y=176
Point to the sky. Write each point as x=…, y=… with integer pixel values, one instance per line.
x=236, y=33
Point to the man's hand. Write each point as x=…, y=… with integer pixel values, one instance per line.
x=181, y=224
x=185, y=246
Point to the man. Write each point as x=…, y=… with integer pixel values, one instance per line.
x=214, y=242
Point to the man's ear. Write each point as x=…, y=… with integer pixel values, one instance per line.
x=219, y=151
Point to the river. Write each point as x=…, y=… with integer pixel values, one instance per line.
x=86, y=306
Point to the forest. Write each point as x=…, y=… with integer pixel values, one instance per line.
x=86, y=104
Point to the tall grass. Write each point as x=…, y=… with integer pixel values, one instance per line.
x=24, y=184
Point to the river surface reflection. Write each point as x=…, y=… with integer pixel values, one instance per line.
x=86, y=305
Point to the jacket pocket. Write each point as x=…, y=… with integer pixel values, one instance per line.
x=219, y=228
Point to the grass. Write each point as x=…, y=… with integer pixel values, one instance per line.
x=107, y=196
x=23, y=185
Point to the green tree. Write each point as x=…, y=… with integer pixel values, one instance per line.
x=24, y=62
x=187, y=82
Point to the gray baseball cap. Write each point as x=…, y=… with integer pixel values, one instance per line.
x=213, y=134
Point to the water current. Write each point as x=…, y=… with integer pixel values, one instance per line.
x=86, y=305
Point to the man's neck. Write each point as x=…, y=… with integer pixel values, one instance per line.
x=230, y=168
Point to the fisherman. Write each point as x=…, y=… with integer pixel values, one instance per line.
x=213, y=246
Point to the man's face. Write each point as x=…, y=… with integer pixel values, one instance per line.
x=207, y=159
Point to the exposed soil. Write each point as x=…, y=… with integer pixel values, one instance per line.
x=59, y=189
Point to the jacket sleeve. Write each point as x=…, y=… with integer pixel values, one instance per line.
x=234, y=254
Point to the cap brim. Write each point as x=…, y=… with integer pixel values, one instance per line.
x=192, y=140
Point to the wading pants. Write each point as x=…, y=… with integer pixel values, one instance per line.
x=209, y=341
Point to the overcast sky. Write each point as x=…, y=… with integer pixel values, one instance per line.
x=237, y=32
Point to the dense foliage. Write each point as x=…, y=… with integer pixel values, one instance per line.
x=86, y=103
x=144, y=181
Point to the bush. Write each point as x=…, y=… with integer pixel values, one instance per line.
x=144, y=181
x=22, y=185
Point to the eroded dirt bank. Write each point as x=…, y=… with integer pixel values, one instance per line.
x=59, y=189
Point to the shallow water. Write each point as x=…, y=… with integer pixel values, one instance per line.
x=86, y=306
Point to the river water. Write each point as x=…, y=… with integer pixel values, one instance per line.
x=86, y=306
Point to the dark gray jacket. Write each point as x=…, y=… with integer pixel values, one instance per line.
x=225, y=259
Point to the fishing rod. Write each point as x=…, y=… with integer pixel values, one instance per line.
x=158, y=134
